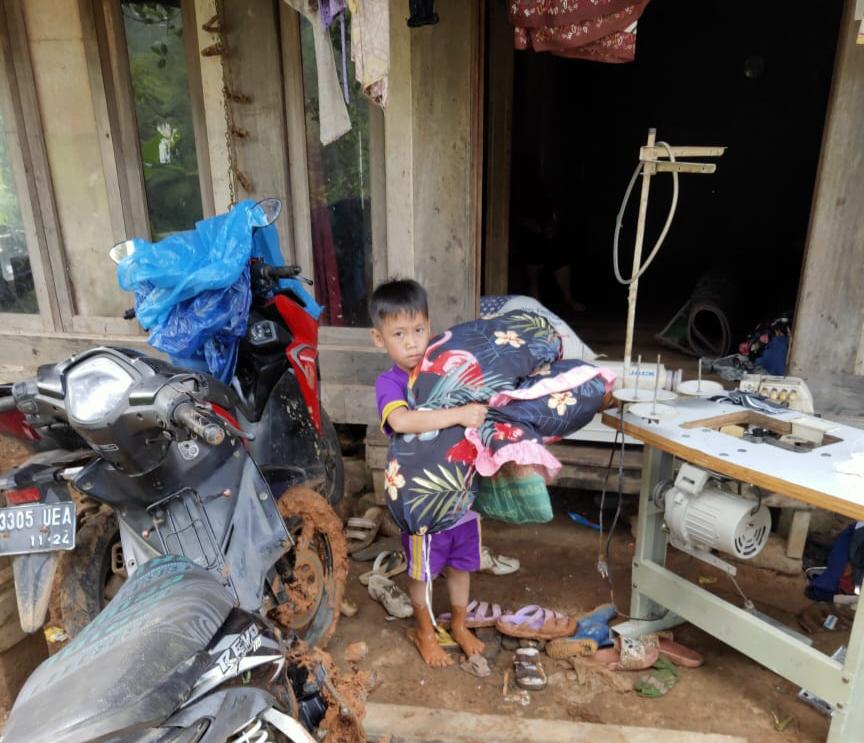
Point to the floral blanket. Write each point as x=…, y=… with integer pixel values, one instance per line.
x=511, y=363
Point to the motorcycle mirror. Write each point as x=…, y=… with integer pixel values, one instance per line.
x=122, y=250
x=267, y=213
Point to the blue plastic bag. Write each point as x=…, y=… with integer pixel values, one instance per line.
x=192, y=289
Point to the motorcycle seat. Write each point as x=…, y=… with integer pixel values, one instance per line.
x=132, y=666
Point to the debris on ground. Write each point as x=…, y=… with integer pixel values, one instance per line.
x=356, y=652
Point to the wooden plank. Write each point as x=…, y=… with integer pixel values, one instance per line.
x=378, y=190
x=255, y=61
x=774, y=483
x=212, y=83
x=410, y=723
x=295, y=126
x=829, y=317
x=399, y=145
x=99, y=96
x=199, y=119
x=122, y=126
x=349, y=403
x=499, y=132
x=446, y=104
x=44, y=205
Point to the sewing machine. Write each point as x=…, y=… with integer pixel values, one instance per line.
x=790, y=453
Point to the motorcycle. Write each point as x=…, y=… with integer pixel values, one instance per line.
x=179, y=478
x=273, y=405
x=173, y=660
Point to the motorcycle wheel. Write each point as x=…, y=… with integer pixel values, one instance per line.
x=333, y=486
x=313, y=573
x=85, y=580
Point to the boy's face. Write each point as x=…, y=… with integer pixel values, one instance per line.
x=404, y=337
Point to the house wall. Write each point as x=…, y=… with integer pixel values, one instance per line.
x=425, y=171
x=828, y=340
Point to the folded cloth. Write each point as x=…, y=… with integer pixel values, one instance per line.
x=509, y=361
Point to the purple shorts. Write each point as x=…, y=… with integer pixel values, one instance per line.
x=458, y=548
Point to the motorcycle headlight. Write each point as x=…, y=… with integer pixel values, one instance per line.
x=94, y=387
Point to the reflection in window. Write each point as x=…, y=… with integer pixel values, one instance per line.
x=340, y=198
x=17, y=293
x=160, y=84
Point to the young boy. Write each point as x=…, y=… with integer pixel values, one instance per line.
x=400, y=315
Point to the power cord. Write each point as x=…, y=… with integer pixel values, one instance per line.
x=604, y=561
x=620, y=219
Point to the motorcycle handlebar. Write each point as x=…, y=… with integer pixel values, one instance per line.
x=187, y=416
x=281, y=272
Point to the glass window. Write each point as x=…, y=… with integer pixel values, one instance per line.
x=17, y=293
x=339, y=195
x=160, y=84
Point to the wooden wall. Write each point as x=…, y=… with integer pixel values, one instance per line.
x=828, y=342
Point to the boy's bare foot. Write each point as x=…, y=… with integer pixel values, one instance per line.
x=467, y=641
x=431, y=652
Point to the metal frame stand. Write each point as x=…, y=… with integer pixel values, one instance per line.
x=662, y=599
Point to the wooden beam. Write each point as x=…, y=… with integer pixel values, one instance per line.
x=499, y=132
x=829, y=318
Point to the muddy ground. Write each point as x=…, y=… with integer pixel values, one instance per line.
x=729, y=694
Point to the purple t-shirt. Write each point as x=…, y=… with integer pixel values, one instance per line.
x=390, y=393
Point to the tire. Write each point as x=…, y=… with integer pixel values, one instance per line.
x=315, y=570
x=333, y=488
x=85, y=581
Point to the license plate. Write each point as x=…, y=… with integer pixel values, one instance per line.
x=42, y=527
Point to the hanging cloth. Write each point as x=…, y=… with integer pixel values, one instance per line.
x=601, y=30
x=332, y=112
x=370, y=46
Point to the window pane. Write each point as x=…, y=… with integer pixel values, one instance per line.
x=160, y=84
x=339, y=195
x=17, y=293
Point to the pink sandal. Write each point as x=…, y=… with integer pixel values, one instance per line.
x=533, y=622
x=477, y=615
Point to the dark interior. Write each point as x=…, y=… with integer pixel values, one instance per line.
x=752, y=76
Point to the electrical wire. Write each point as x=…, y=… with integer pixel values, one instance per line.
x=620, y=219
x=604, y=561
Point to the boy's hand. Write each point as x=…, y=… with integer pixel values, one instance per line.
x=473, y=415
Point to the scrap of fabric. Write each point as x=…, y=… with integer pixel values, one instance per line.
x=511, y=363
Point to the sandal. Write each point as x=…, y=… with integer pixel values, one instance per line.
x=630, y=654
x=360, y=532
x=387, y=564
x=497, y=564
x=536, y=623
x=659, y=681
x=477, y=615
x=567, y=647
x=394, y=600
x=388, y=544
x=477, y=666
x=527, y=670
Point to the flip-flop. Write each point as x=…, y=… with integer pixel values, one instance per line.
x=394, y=600
x=659, y=681
x=360, y=531
x=477, y=614
x=387, y=564
x=629, y=654
x=679, y=654
x=476, y=665
x=567, y=647
x=527, y=670
x=388, y=544
x=497, y=564
x=536, y=623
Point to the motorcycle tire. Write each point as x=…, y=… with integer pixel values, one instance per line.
x=314, y=572
x=85, y=580
x=333, y=486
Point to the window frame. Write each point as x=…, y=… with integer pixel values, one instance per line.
x=32, y=176
x=295, y=120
